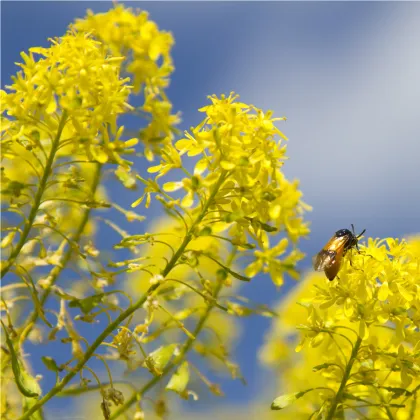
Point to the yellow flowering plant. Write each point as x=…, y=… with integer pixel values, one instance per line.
x=358, y=352
x=158, y=296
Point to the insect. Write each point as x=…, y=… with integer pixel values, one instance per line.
x=331, y=256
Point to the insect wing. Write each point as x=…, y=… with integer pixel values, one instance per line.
x=332, y=251
x=338, y=244
x=332, y=270
x=323, y=259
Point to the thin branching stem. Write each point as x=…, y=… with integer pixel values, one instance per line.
x=132, y=309
x=38, y=197
x=56, y=271
x=205, y=297
x=339, y=396
x=385, y=404
x=88, y=354
x=168, y=369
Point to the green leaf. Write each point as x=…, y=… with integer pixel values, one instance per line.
x=323, y=366
x=239, y=310
x=206, y=231
x=36, y=301
x=158, y=359
x=246, y=245
x=85, y=304
x=235, y=215
x=64, y=295
x=162, y=355
x=50, y=363
x=237, y=275
x=74, y=390
x=267, y=228
x=88, y=303
x=26, y=383
x=97, y=204
x=227, y=269
x=348, y=396
x=397, y=392
x=285, y=400
x=179, y=380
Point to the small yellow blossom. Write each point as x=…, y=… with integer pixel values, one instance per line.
x=147, y=57
x=366, y=321
x=238, y=150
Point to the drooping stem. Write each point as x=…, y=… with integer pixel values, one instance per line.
x=38, y=197
x=339, y=396
x=130, y=310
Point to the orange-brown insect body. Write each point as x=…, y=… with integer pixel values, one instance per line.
x=331, y=256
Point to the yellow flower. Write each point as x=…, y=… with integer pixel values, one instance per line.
x=238, y=146
x=267, y=261
x=73, y=86
x=123, y=30
x=147, y=57
x=370, y=311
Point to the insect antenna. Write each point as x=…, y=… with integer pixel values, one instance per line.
x=361, y=233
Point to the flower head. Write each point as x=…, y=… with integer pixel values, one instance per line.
x=366, y=321
x=147, y=58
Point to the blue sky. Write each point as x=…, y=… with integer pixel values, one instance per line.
x=345, y=74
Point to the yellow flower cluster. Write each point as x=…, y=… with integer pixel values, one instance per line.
x=126, y=32
x=66, y=100
x=60, y=132
x=146, y=51
x=360, y=334
x=238, y=150
x=240, y=139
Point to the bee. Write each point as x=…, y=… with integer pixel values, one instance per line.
x=331, y=256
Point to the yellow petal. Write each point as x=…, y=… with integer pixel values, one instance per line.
x=52, y=106
x=383, y=291
x=99, y=154
x=8, y=239
x=363, y=330
x=404, y=292
x=201, y=166
x=275, y=211
x=172, y=186
x=188, y=200
x=300, y=346
x=154, y=169
x=137, y=202
x=383, y=318
x=130, y=143
x=226, y=165
x=348, y=308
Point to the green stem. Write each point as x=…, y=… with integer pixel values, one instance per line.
x=346, y=376
x=184, y=350
x=385, y=404
x=56, y=271
x=189, y=234
x=89, y=352
x=129, y=311
x=27, y=326
x=38, y=197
